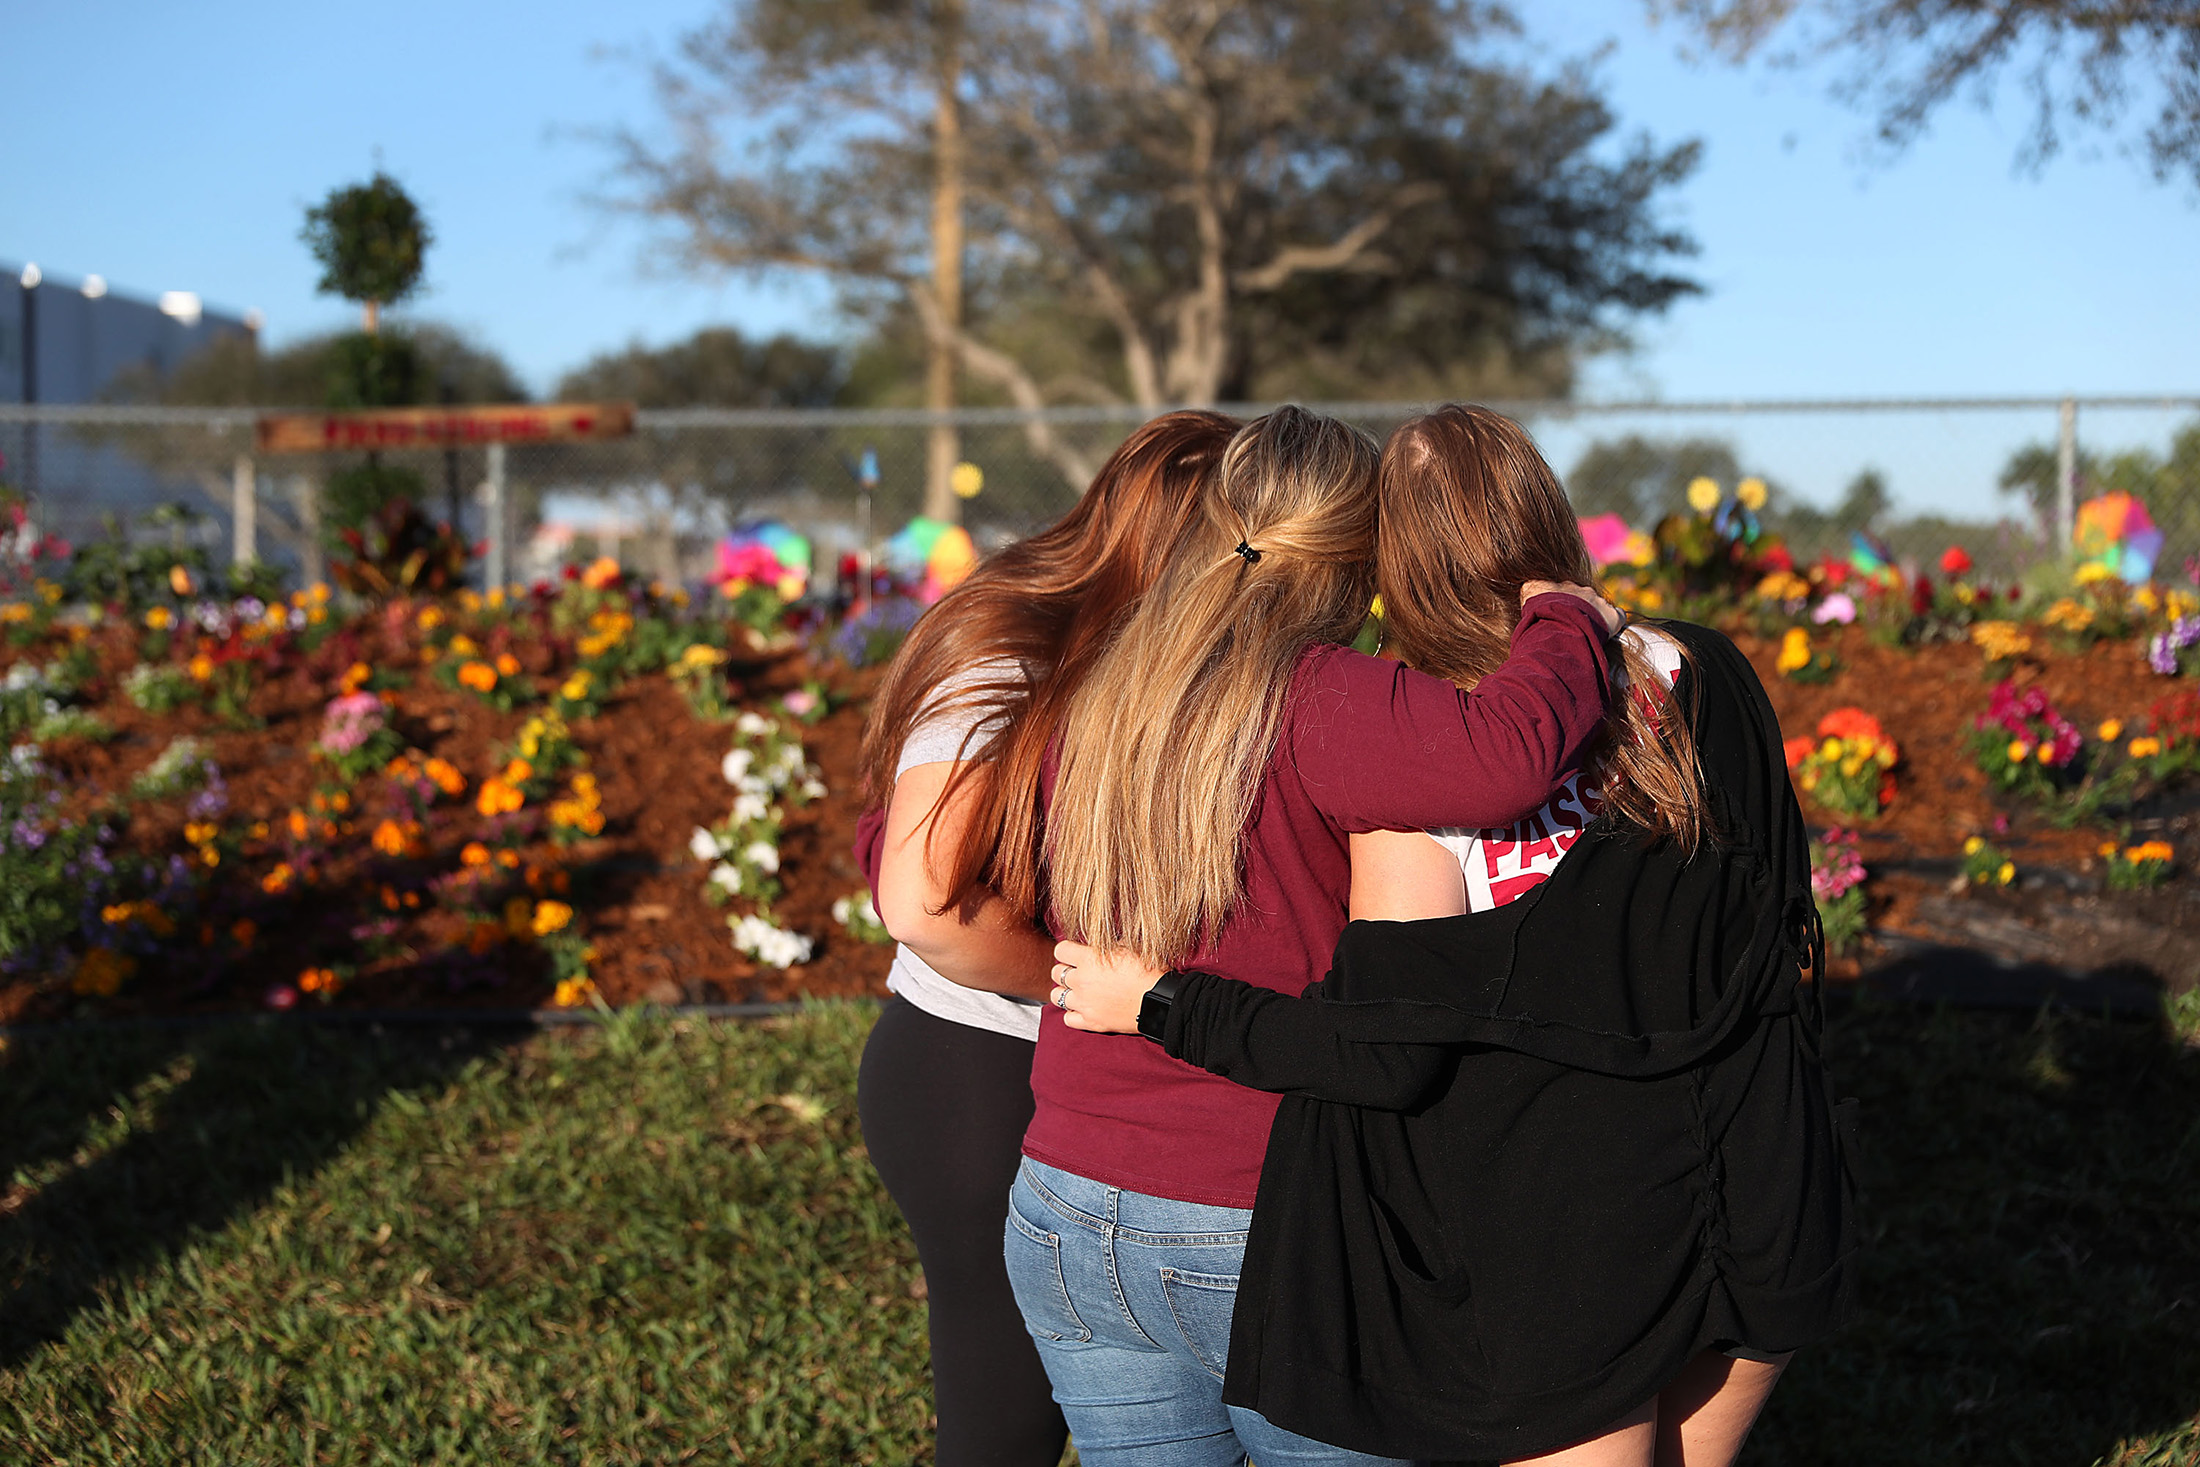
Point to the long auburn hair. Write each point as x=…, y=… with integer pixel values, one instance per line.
x=1470, y=513
x=1048, y=603
x=1165, y=744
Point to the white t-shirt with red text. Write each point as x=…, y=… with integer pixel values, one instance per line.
x=1503, y=864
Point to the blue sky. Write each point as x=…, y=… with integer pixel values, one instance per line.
x=175, y=147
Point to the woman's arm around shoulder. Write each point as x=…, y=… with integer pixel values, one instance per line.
x=1381, y=746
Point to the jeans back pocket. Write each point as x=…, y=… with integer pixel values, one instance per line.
x=1202, y=1305
x=1034, y=1257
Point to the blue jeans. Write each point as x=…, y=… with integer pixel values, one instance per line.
x=1129, y=1298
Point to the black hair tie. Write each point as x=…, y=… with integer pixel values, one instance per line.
x=1252, y=556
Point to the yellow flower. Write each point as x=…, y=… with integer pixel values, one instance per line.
x=2007, y=873
x=1974, y=845
x=430, y=618
x=463, y=646
x=2093, y=572
x=572, y=992
x=2069, y=615
x=469, y=601
x=1794, y=651
x=2146, y=599
x=702, y=654
x=575, y=688
x=1751, y=492
x=1650, y=599
x=2146, y=748
x=2110, y=730
x=1830, y=749
x=1703, y=495
x=2000, y=640
x=179, y=581
x=15, y=611
x=159, y=619
x=2019, y=751
x=551, y=917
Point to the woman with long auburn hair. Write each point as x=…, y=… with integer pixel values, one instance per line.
x=951, y=757
x=1210, y=769
x=1558, y=1177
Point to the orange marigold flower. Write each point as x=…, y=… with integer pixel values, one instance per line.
x=509, y=860
x=519, y=917
x=201, y=667
x=446, y=776
x=498, y=797
x=482, y=936
x=244, y=930
x=551, y=917
x=479, y=676
x=279, y=880
x=297, y=824
x=507, y=665
x=389, y=838
x=474, y=854
x=519, y=771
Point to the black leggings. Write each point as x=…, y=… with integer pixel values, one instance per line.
x=944, y=1108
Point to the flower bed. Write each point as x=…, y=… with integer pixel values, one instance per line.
x=367, y=821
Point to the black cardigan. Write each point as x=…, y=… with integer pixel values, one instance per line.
x=1532, y=1160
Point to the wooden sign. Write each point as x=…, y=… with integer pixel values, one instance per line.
x=445, y=427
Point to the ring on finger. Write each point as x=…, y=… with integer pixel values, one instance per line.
x=1060, y=998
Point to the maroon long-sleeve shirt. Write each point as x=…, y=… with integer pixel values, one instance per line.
x=1365, y=744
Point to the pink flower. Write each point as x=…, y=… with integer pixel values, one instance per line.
x=350, y=721
x=1839, y=607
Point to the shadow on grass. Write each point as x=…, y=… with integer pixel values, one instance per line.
x=119, y=1145
x=2032, y=1278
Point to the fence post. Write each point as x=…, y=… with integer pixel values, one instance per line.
x=492, y=505
x=244, y=511
x=313, y=556
x=2066, y=475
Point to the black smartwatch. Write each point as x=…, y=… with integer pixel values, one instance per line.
x=1153, y=1010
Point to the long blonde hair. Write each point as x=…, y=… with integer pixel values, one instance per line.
x=1471, y=512
x=1165, y=744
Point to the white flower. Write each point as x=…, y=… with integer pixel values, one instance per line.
x=813, y=789
x=727, y=875
x=750, y=807
x=753, y=724
x=790, y=757
x=703, y=844
x=736, y=765
x=841, y=909
x=751, y=785
x=771, y=945
x=761, y=854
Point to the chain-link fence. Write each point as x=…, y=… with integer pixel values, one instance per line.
x=2002, y=474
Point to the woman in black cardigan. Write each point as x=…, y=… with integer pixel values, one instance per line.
x=1558, y=1177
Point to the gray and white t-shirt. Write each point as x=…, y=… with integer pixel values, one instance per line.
x=940, y=737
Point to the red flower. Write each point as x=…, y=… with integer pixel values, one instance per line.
x=1778, y=559
x=1849, y=723
x=1798, y=749
x=1921, y=595
x=1955, y=560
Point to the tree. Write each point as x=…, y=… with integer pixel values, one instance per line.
x=372, y=243
x=716, y=367
x=1184, y=180
x=1643, y=479
x=2083, y=62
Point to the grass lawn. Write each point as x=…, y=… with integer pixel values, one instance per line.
x=660, y=1242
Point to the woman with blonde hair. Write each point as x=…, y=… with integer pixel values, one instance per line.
x=1558, y=1178
x=1210, y=771
x=952, y=757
